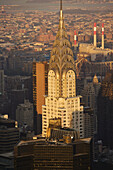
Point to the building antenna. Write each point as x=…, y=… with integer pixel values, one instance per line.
x=61, y=5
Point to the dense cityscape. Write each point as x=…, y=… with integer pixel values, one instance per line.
x=56, y=86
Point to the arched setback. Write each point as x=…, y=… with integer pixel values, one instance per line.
x=57, y=84
x=53, y=84
x=64, y=88
x=70, y=84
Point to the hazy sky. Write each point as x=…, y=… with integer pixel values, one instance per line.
x=49, y=5
x=53, y=5
x=9, y=2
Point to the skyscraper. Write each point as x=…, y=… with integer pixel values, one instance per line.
x=105, y=111
x=39, y=84
x=62, y=101
x=40, y=89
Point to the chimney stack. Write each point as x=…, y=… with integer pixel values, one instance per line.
x=2, y=8
x=75, y=38
x=95, y=38
x=102, y=35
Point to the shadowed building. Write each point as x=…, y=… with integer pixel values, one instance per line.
x=89, y=122
x=42, y=154
x=90, y=93
x=89, y=98
x=24, y=114
x=105, y=111
x=18, y=88
x=9, y=135
x=1, y=82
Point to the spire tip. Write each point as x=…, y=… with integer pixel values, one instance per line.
x=60, y=4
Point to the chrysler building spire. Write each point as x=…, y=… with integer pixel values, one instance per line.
x=61, y=59
x=61, y=14
x=60, y=5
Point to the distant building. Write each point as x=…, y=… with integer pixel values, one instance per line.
x=16, y=97
x=92, y=48
x=18, y=88
x=89, y=122
x=18, y=82
x=2, y=10
x=90, y=92
x=86, y=68
x=24, y=113
x=89, y=98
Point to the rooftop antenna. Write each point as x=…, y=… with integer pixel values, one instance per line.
x=60, y=4
x=61, y=14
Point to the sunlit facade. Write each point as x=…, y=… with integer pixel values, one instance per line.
x=38, y=85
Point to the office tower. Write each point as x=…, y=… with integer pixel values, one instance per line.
x=9, y=135
x=89, y=122
x=105, y=111
x=24, y=114
x=40, y=89
x=43, y=154
x=89, y=98
x=90, y=92
x=62, y=101
x=1, y=82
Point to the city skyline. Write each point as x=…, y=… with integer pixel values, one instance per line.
x=52, y=70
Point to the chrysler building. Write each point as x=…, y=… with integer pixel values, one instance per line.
x=62, y=101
